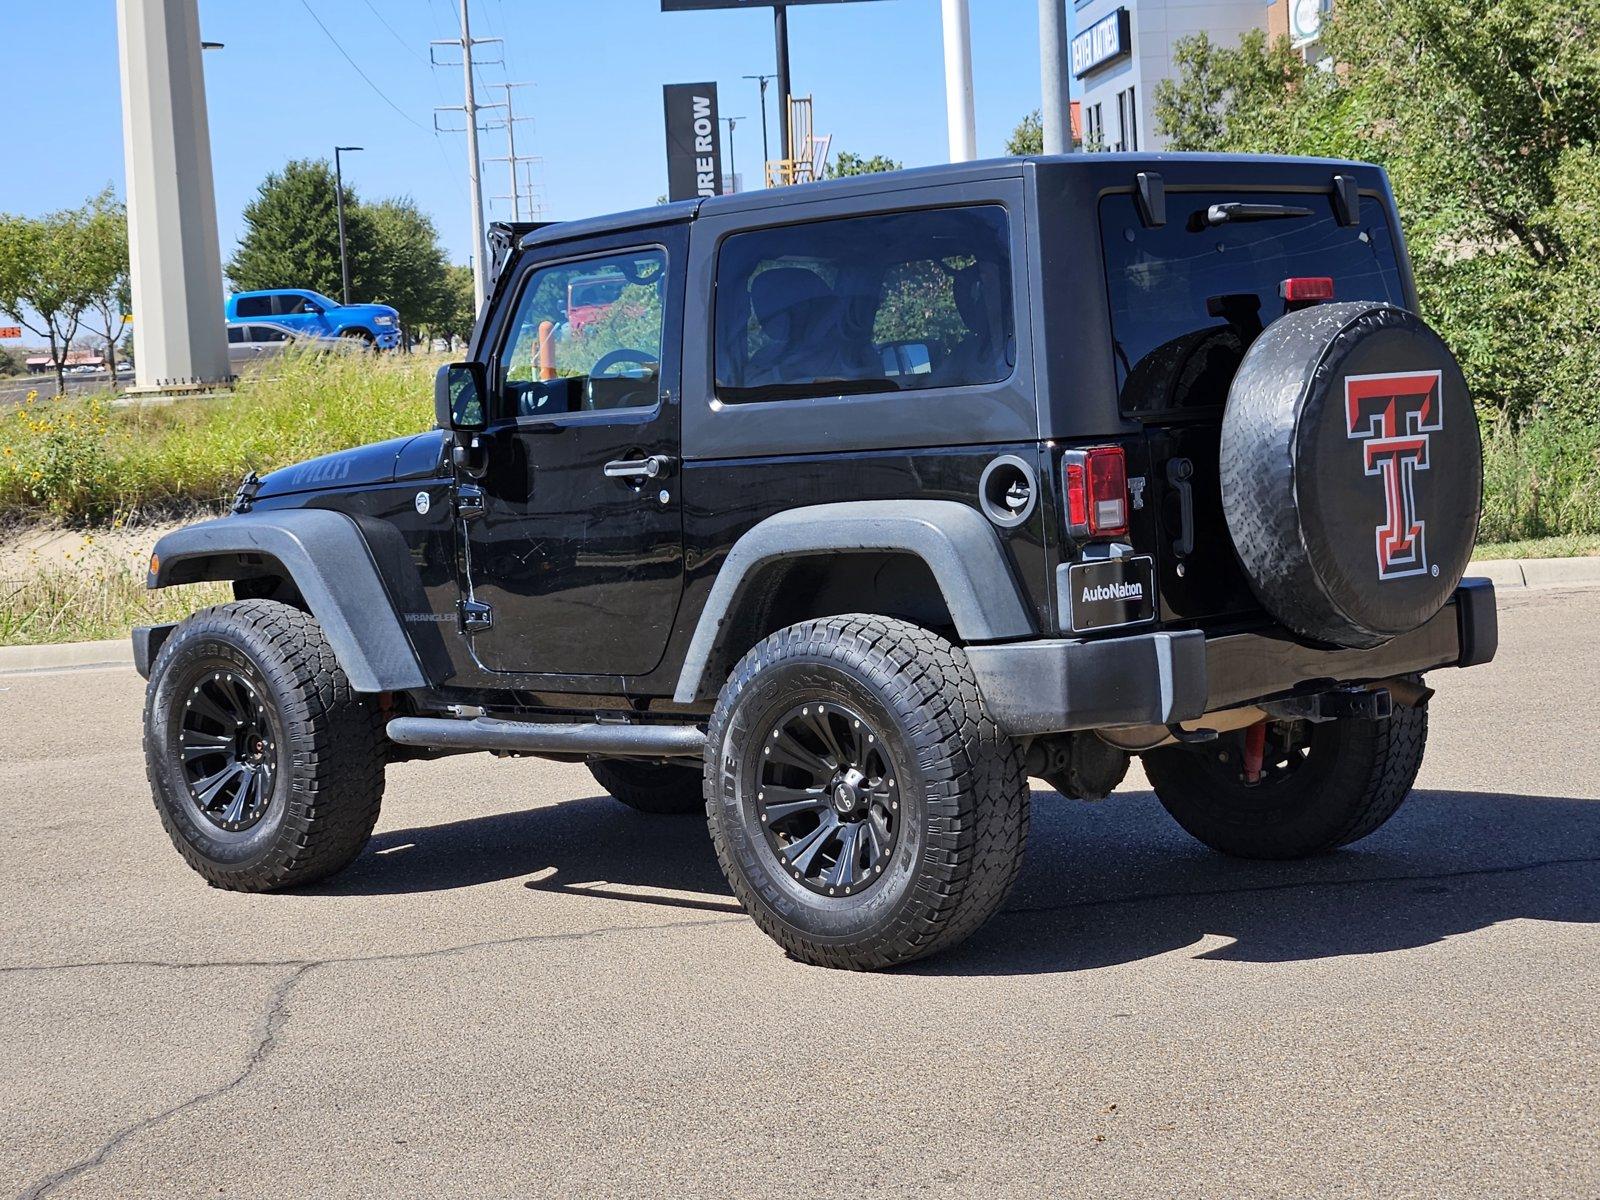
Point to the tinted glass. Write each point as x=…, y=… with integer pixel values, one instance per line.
x=1188, y=298
x=866, y=304
x=587, y=337
x=267, y=333
x=254, y=306
x=285, y=306
x=235, y=335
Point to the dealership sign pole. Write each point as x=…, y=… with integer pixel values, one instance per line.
x=958, y=64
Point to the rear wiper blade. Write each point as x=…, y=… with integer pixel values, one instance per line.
x=1222, y=214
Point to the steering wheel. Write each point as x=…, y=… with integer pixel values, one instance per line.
x=624, y=355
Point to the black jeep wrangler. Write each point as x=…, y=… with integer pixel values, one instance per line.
x=836, y=512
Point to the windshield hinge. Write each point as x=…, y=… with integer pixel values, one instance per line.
x=476, y=617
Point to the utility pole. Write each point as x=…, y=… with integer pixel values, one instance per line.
x=338, y=182
x=470, y=107
x=780, y=31
x=733, y=171
x=766, y=152
x=175, y=262
x=510, y=157
x=1053, y=72
x=958, y=81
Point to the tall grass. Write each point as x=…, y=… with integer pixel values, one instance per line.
x=1541, y=479
x=87, y=461
x=101, y=597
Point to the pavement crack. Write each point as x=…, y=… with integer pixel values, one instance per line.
x=263, y=1044
x=398, y=956
x=1298, y=884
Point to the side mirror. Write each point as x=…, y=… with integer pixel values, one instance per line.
x=459, y=398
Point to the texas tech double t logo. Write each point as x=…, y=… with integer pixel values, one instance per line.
x=1392, y=416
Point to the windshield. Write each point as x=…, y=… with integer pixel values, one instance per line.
x=1188, y=298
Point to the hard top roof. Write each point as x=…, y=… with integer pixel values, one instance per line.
x=892, y=181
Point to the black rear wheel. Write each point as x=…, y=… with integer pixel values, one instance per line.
x=864, y=806
x=1319, y=787
x=647, y=787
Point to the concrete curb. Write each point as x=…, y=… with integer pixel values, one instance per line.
x=21, y=660
x=1504, y=573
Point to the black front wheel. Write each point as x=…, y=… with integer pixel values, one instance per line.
x=267, y=770
x=1317, y=787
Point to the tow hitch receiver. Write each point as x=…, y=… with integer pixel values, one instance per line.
x=1365, y=704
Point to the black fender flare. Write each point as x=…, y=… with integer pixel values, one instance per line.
x=957, y=542
x=332, y=566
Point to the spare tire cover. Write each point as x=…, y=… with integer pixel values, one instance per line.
x=1352, y=473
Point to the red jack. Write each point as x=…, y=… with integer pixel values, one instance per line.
x=1255, y=749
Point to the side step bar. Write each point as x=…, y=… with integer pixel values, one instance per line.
x=490, y=733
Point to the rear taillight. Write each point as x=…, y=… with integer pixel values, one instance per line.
x=1096, y=486
x=1306, y=289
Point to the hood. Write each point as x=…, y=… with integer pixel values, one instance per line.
x=366, y=310
x=357, y=467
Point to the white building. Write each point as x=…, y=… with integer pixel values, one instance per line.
x=1121, y=49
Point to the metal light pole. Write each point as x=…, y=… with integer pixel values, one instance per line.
x=338, y=179
x=474, y=164
x=958, y=81
x=780, y=31
x=175, y=263
x=733, y=171
x=766, y=153
x=1053, y=72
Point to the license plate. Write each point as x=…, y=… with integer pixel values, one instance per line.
x=1110, y=593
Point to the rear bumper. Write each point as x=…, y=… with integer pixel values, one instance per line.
x=1159, y=678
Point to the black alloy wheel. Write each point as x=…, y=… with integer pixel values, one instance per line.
x=828, y=798
x=227, y=745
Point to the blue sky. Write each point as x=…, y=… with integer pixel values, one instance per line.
x=281, y=90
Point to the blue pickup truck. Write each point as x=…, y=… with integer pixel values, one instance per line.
x=312, y=314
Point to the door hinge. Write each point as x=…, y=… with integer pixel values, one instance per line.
x=476, y=617
x=469, y=501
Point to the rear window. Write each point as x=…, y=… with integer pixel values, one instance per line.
x=866, y=304
x=1188, y=298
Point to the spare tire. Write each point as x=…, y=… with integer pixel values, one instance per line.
x=1352, y=473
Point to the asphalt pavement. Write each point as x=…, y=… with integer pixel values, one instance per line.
x=522, y=989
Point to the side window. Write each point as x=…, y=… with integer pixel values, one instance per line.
x=866, y=304
x=235, y=334
x=267, y=333
x=587, y=336
x=254, y=306
x=288, y=306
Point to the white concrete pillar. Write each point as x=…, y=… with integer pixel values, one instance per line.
x=958, y=81
x=179, y=336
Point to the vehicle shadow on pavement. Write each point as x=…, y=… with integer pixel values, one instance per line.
x=1119, y=881
x=1102, y=884
x=594, y=847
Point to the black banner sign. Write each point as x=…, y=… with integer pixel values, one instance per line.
x=694, y=151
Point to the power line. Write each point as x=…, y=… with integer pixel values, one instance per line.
x=410, y=49
x=307, y=6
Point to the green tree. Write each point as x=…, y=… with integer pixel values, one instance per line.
x=405, y=267
x=845, y=163
x=453, y=314
x=1486, y=114
x=48, y=278
x=105, y=235
x=1028, y=137
x=291, y=237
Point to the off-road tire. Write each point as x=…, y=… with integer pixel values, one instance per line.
x=962, y=789
x=328, y=762
x=663, y=788
x=1353, y=779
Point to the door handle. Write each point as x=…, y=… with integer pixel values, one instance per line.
x=638, y=468
x=1179, y=473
